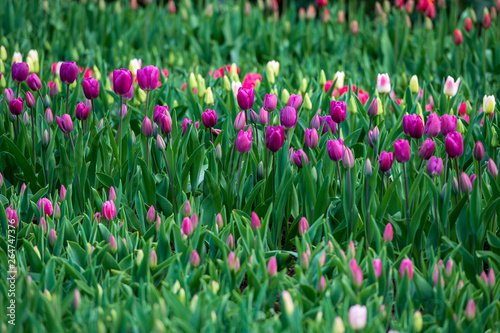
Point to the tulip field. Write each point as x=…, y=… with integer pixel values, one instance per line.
x=249, y=166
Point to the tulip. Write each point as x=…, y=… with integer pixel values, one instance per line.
x=448, y=124
x=270, y=102
x=253, y=116
x=150, y=217
x=316, y=122
x=435, y=166
x=294, y=101
x=146, y=129
x=414, y=84
x=109, y=210
x=34, y=82
x=311, y=138
x=240, y=121
x=388, y=233
x=122, y=81
x=90, y=88
x=457, y=37
x=187, y=208
x=187, y=226
x=209, y=118
x=465, y=183
x=454, y=144
x=148, y=77
x=9, y=95
x=406, y=266
x=57, y=212
x=492, y=168
x=255, y=221
x=82, y=111
x=402, y=150
x=413, y=126
x=426, y=150
x=377, y=265
x=230, y=241
x=30, y=101
x=486, y=21
x=68, y=72
x=383, y=83
x=166, y=124
x=52, y=237
x=45, y=207
x=303, y=226
x=53, y=89
x=297, y=158
x=113, y=245
x=275, y=138
x=470, y=310
x=16, y=106
x=272, y=267
x=338, y=325
x=451, y=86
x=373, y=108
x=468, y=24
x=335, y=149
x=245, y=98
x=20, y=71
x=373, y=137
x=478, y=151
x=244, y=141
x=65, y=123
x=219, y=221
x=328, y=124
x=433, y=125
x=338, y=111
x=159, y=111
x=288, y=117
x=348, y=159
x=488, y=104
x=194, y=259
x=357, y=317
x=263, y=117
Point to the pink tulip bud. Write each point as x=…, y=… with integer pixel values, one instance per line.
x=240, y=121
x=187, y=226
x=491, y=278
x=255, y=221
x=194, y=259
x=492, y=168
x=402, y=151
x=62, y=193
x=76, y=299
x=45, y=207
x=357, y=317
x=272, y=267
x=194, y=220
x=112, y=194
x=303, y=226
x=321, y=284
x=435, y=277
x=230, y=241
x=52, y=237
x=377, y=265
x=57, y=212
x=388, y=233
x=219, y=221
x=458, y=39
x=150, y=217
x=187, y=208
x=305, y=260
x=468, y=24
x=406, y=266
x=470, y=310
x=449, y=267
x=109, y=210
x=244, y=141
x=113, y=245
x=153, y=258
x=43, y=224
x=158, y=223
x=231, y=260
x=484, y=277
x=12, y=216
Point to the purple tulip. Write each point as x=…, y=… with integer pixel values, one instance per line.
x=159, y=111
x=30, y=100
x=16, y=106
x=433, y=126
x=426, y=150
x=465, y=183
x=90, y=88
x=448, y=124
x=385, y=161
x=297, y=158
x=311, y=139
x=34, y=82
x=288, y=117
x=148, y=77
x=65, y=123
x=492, y=168
x=275, y=138
x=20, y=71
x=348, y=158
x=69, y=72
x=82, y=111
x=294, y=101
x=338, y=111
x=147, y=129
x=373, y=136
x=270, y=102
x=166, y=123
x=209, y=118
x=478, y=151
x=413, y=126
x=240, y=121
x=316, y=122
x=335, y=149
x=454, y=144
x=435, y=166
x=49, y=117
x=9, y=94
x=263, y=117
x=328, y=123
x=12, y=216
x=245, y=98
x=402, y=150
x=130, y=94
x=122, y=81
x=244, y=141
x=373, y=108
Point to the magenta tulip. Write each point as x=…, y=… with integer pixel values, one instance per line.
x=109, y=210
x=209, y=118
x=454, y=144
x=402, y=150
x=275, y=138
x=245, y=98
x=338, y=111
x=297, y=158
x=65, y=123
x=448, y=124
x=426, y=150
x=288, y=117
x=244, y=141
x=413, y=126
x=69, y=72
x=16, y=106
x=335, y=149
x=311, y=138
x=82, y=111
x=90, y=88
x=34, y=82
x=270, y=102
x=435, y=166
x=328, y=124
x=294, y=101
x=385, y=161
x=406, y=266
x=20, y=71
x=433, y=126
x=122, y=81
x=45, y=207
x=148, y=77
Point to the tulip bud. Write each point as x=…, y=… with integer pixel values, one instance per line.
x=52, y=237
x=303, y=226
x=139, y=257
x=187, y=226
x=218, y=152
x=153, y=259
x=288, y=302
x=357, y=317
x=272, y=267
x=285, y=96
x=492, y=168
x=470, y=310
x=187, y=208
x=194, y=259
x=406, y=267
x=113, y=245
x=150, y=217
x=457, y=37
x=348, y=158
x=479, y=151
x=307, y=102
x=160, y=142
x=338, y=325
x=219, y=221
x=230, y=241
x=255, y=221
x=417, y=321
x=240, y=121
x=373, y=108
x=322, y=78
x=368, y=168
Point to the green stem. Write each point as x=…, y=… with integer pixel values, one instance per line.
x=67, y=100
x=239, y=181
x=171, y=184
x=147, y=102
x=407, y=209
x=33, y=139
